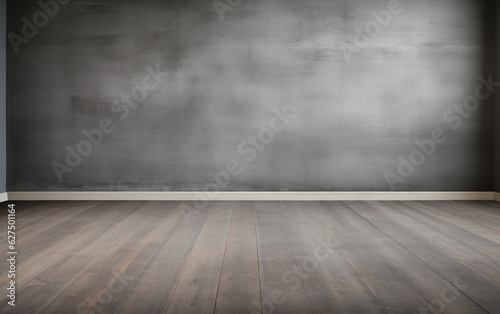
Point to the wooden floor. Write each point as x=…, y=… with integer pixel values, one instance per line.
x=255, y=257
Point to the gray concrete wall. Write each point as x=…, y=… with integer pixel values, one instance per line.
x=3, y=84
x=369, y=94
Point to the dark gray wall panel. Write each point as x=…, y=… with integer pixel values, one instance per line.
x=3, y=84
x=497, y=98
x=355, y=118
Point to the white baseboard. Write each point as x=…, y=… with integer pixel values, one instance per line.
x=251, y=196
x=3, y=197
x=496, y=197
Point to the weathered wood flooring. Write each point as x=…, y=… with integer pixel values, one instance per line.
x=254, y=257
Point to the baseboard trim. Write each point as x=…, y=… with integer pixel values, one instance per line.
x=496, y=197
x=251, y=196
x=4, y=197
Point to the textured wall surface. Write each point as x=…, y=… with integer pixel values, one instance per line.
x=257, y=95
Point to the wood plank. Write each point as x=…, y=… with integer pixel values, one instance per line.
x=155, y=282
x=469, y=238
x=494, y=204
x=345, y=287
x=196, y=291
x=46, y=219
x=481, y=263
x=50, y=210
x=486, y=210
x=239, y=288
x=358, y=235
x=147, y=258
x=492, y=207
x=469, y=214
x=33, y=239
x=51, y=252
x=284, y=262
x=360, y=243
x=29, y=213
x=467, y=281
x=34, y=296
x=103, y=282
x=437, y=211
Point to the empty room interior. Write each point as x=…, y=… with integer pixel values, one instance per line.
x=250, y=156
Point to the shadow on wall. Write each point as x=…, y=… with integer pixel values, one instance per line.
x=489, y=68
x=495, y=11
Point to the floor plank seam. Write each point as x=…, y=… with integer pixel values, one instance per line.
x=444, y=278
x=450, y=235
x=188, y=257
x=346, y=258
x=223, y=259
x=137, y=278
x=258, y=254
